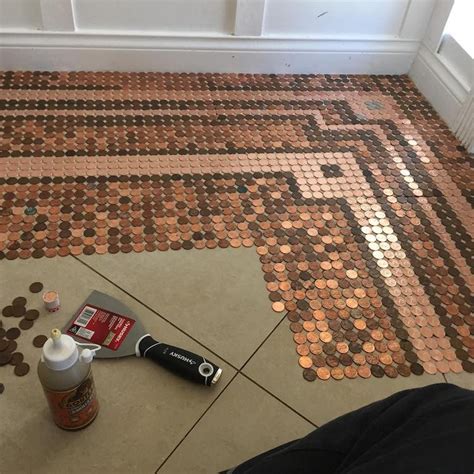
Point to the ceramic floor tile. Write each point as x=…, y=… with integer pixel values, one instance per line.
x=464, y=380
x=242, y=423
x=145, y=410
x=320, y=401
x=217, y=296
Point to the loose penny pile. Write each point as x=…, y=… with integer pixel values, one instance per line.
x=9, y=337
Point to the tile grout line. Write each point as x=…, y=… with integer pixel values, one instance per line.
x=279, y=399
x=263, y=342
x=196, y=422
x=263, y=388
x=238, y=371
x=156, y=313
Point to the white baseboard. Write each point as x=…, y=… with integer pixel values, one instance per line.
x=439, y=84
x=119, y=52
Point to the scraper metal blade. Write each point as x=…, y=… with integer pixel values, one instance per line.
x=136, y=339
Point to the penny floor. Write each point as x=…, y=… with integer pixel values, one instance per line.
x=311, y=234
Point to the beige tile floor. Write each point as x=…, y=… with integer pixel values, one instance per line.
x=212, y=302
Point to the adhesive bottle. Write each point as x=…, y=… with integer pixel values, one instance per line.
x=65, y=374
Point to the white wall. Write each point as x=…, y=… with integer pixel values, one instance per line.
x=163, y=16
x=19, y=14
x=325, y=36
x=444, y=72
x=340, y=17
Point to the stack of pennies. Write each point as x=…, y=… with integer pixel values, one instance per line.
x=9, y=337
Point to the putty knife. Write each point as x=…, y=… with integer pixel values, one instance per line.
x=103, y=320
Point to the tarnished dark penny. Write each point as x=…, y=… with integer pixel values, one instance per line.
x=19, y=301
x=22, y=369
x=332, y=361
x=318, y=360
x=468, y=366
x=416, y=369
x=345, y=359
x=36, y=287
x=5, y=358
x=13, y=333
x=403, y=370
x=25, y=324
x=18, y=311
x=390, y=371
x=2, y=388
x=7, y=311
x=4, y=344
x=12, y=345
x=309, y=374
x=377, y=371
x=31, y=314
x=39, y=341
x=17, y=358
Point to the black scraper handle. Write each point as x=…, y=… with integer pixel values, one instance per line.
x=187, y=364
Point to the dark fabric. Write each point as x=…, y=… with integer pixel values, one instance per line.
x=424, y=430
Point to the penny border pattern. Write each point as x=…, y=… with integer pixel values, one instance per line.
x=352, y=191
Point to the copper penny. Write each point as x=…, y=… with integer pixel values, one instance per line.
x=372, y=359
x=359, y=359
x=443, y=366
x=7, y=311
x=5, y=358
x=31, y=314
x=430, y=367
x=25, y=324
x=22, y=369
x=19, y=301
x=455, y=366
x=299, y=337
x=390, y=371
x=302, y=350
x=17, y=358
x=325, y=337
x=337, y=373
x=352, y=303
x=39, y=341
x=312, y=336
x=36, y=287
x=12, y=345
x=18, y=311
x=305, y=362
x=403, y=370
x=360, y=324
x=309, y=375
x=385, y=358
x=323, y=373
x=278, y=306
x=364, y=371
x=315, y=349
x=309, y=326
x=368, y=347
x=350, y=372
x=13, y=333
x=377, y=371
x=342, y=347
